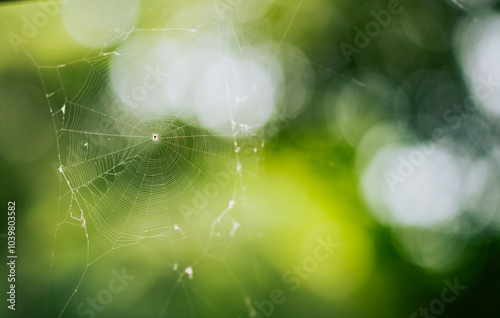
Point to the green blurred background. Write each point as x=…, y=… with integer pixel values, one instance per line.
x=340, y=125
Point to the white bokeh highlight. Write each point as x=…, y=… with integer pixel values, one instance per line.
x=405, y=185
x=478, y=49
x=187, y=75
x=233, y=91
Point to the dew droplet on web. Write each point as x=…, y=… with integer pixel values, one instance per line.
x=236, y=225
x=189, y=271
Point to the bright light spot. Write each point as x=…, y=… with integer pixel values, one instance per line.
x=236, y=225
x=189, y=76
x=88, y=21
x=232, y=89
x=478, y=51
x=413, y=186
x=480, y=195
x=189, y=271
x=156, y=78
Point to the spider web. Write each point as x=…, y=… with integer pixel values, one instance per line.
x=137, y=175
